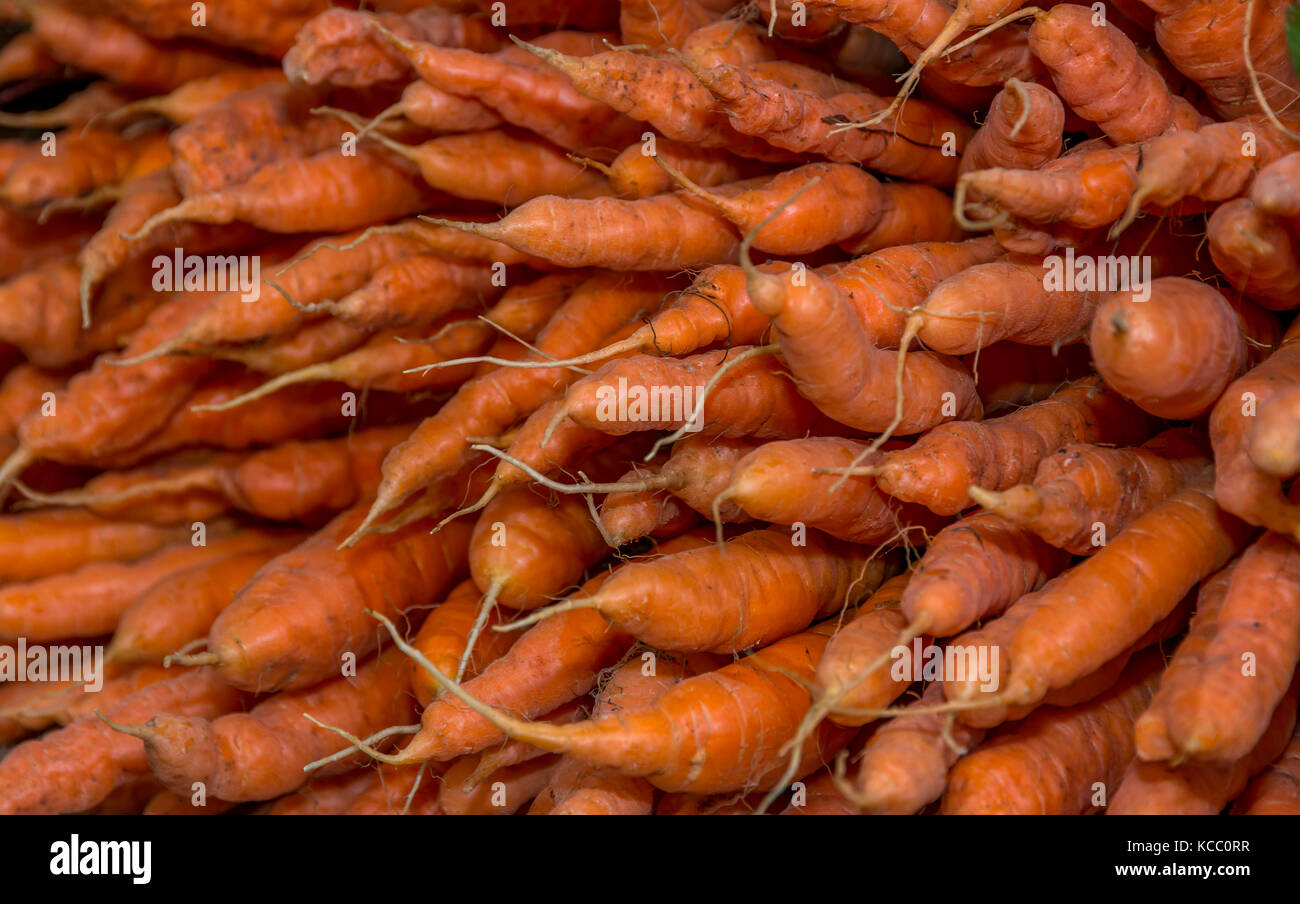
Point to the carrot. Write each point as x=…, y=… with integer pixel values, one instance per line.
x=1271, y=442
x=76, y=767
x=193, y=98
x=260, y=754
x=25, y=56
x=444, y=638
x=267, y=640
x=405, y=790
x=1144, y=349
x=1276, y=790
x=804, y=122
x=807, y=311
x=1084, y=493
x=1098, y=72
x=329, y=796
x=1022, y=130
x=537, y=99
x=503, y=793
x=780, y=482
x=23, y=244
x=632, y=514
x=169, y=803
x=338, y=47
x=82, y=163
x=1255, y=252
x=106, y=47
x=733, y=751
x=937, y=471
x=1273, y=190
x=79, y=109
x=1205, y=41
x=800, y=24
x=654, y=601
x=910, y=213
x=801, y=210
x=661, y=24
x=1086, y=744
x=265, y=29
x=75, y=700
x=36, y=545
x=180, y=607
x=634, y=173
x=441, y=111
x=327, y=192
x=1201, y=789
x=1190, y=538
x=493, y=402
x=1013, y=375
x=22, y=391
x=905, y=764
x=1218, y=713
x=89, y=602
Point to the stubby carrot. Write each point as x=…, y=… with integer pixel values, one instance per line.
x=192, y=98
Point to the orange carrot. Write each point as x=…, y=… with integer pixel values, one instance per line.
x=635, y=174
x=76, y=767
x=194, y=97
x=1084, y=493
x=250, y=26
x=937, y=471
x=1276, y=790
x=1219, y=711
x=25, y=56
x=1273, y=190
x=36, y=545
x=23, y=244
x=910, y=213
x=663, y=24
x=1147, y=350
x=81, y=163
x=322, y=797
x=1256, y=253
x=169, y=803
x=82, y=107
x=390, y=790
x=503, y=793
x=633, y=514
x=1022, y=130
x=1271, y=443
x=444, y=637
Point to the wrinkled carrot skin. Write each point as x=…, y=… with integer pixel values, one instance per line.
x=700, y=468
x=904, y=765
x=774, y=483
x=1082, y=745
x=503, y=793
x=870, y=632
x=1098, y=72
x=329, y=796
x=169, y=803
x=1086, y=189
x=33, y=706
x=36, y=545
x=1002, y=452
x=76, y=767
x=445, y=112
x=1201, y=789
x=1240, y=486
x=1203, y=41
x=1054, y=646
x=660, y=602
x=23, y=390
x=89, y=601
x=1175, y=352
x=104, y=46
x=1040, y=117
x=1217, y=714
x=414, y=291
x=1274, y=189
x=1083, y=487
x=261, y=754
x=250, y=26
x=25, y=56
x=388, y=790
x=1256, y=253
x=857, y=385
x=630, y=516
x=884, y=285
x=442, y=637
x=1276, y=790
x=909, y=214
x=181, y=607
x=83, y=162
x=975, y=568
x=635, y=174
x=194, y=97
x=338, y=46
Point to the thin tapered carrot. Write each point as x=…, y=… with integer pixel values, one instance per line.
x=1144, y=349
x=194, y=97
x=444, y=638
x=1255, y=252
x=910, y=213
x=1219, y=711
x=1276, y=790
x=493, y=402
x=315, y=342
x=938, y=470
x=338, y=46
x=1085, y=493
x=105, y=46
x=468, y=774
x=267, y=639
x=35, y=545
x=1087, y=744
x=1240, y=486
x=89, y=601
x=180, y=607
x=779, y=482
x=329, y=191
x=1201, y=789
x=96, y=99
x=75, y=700
x=727, y=612
x=260, y=754
x=76, y=767
x=82, y=163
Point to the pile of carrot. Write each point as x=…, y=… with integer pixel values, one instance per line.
x=649, y=408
